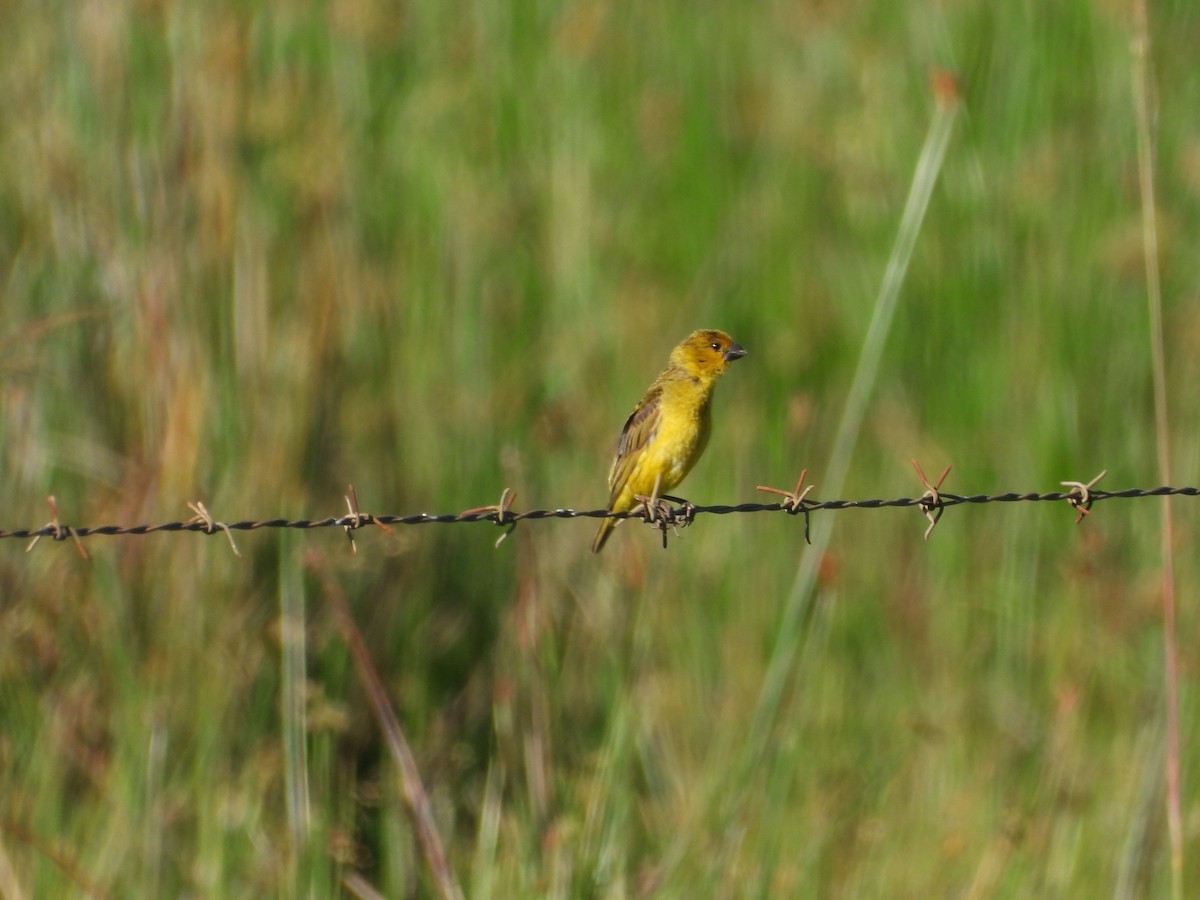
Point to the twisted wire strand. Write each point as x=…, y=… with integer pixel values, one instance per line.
x=501, y=515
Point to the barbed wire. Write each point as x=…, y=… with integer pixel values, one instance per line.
x=666, y=512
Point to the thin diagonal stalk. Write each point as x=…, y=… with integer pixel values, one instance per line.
x=415, y=797
x=796, y=610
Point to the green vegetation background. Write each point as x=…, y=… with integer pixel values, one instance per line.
x=250, y=253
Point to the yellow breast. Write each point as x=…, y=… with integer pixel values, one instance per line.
x=681, y=437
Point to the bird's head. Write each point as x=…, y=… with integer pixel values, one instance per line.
x=705, y=354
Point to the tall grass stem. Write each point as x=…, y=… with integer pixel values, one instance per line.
x=1143, y=102
x=798, y=604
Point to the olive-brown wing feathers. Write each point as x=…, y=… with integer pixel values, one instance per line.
x=638, y=432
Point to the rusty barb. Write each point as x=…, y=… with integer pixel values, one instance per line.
x=210, y=524
x=1081, y=497
x=930, y=502
x=665, y=513
x=56, y=530
x=501, y=512
x=793, y=501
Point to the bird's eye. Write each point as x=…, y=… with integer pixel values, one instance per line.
x=715, y=345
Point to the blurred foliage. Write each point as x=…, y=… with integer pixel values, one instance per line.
x=252, y=252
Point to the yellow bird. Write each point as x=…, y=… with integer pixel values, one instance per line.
x=669, y=428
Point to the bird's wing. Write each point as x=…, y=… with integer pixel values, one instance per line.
x=639, y=431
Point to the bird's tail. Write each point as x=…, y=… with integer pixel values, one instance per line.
x=606, y=528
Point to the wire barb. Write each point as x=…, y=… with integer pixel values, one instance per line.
x=204, y=518
x=355, y=519
x=501, y=513
x=930, y=502
x=56, y=530
x=793, y=501
x=1080, y=497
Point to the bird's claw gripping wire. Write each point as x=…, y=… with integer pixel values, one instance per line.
x=659, y=512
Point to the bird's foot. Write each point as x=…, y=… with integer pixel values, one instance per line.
x=659, y=512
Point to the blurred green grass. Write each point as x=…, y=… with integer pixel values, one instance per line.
x=251, y=253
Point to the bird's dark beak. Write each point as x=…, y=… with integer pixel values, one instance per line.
x=735, y=351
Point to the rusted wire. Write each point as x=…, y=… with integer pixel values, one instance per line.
x=503, y=515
